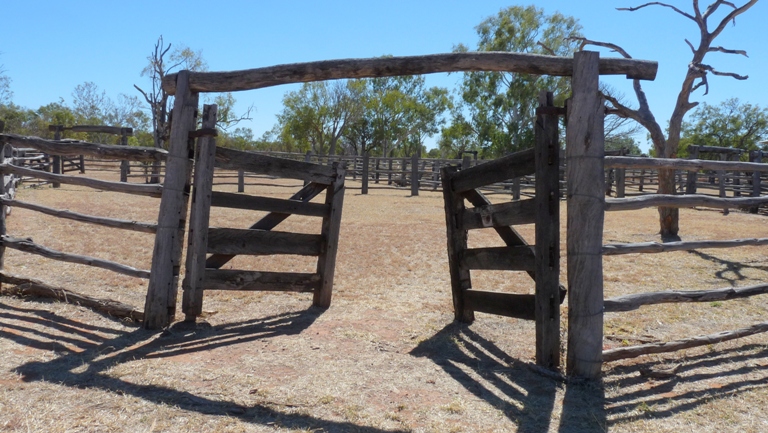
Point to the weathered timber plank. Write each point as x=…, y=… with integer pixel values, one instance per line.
x=76, y=148
x=268, y=204
x=547, y=249
x=37, y=288
x=502, y=304
x=456, y=236
x=30, y=247
x=221, y=279
x=326, y=263
x=133, y=188
x=635, y=301
x=656, y=200
x=160, y=306
x=117, y=130
x=262, y=242
x=514, y=165
x=500, y=215
x=269, y=221
x=585, y=150
x=672, y=346
x=199, y=217
x=103, y=221
x=232, y=159
x=232, y=81
x=681, y=164
x=520, y=258
x=656, y=247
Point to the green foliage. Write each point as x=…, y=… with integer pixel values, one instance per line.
x=729, y=124
x=500, y=107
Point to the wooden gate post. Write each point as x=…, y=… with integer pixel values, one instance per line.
x=160, y=306
x=547, y=303
x=197, y=238
x=326, y=263
x=585, y=150
x=366, y=163
x=415, y=175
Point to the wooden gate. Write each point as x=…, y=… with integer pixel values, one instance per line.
x=540, y=261
x=204, y=273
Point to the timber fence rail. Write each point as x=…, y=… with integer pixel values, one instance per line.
x=205, y=273
x=635, y=301
x=68, y=148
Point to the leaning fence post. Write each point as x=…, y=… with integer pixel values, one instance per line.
x=366, y=162
x=160, y=306
x=326, y=263
x=585, y=150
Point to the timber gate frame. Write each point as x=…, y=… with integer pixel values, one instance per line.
x=225, y=243
x=584, y=151
x=541, y=261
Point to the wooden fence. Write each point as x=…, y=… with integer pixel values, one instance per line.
x=68, y=148
x=632, y=302
x=225, y=243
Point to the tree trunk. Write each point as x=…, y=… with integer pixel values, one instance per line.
x=668, y=217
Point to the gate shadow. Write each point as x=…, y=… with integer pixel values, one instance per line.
x=88, y=347
x=525, y=396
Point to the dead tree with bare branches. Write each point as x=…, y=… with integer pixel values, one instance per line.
x=666, y=145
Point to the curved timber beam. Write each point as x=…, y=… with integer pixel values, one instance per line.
x=258, y=78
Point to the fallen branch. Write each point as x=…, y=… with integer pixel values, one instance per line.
x=29, y=287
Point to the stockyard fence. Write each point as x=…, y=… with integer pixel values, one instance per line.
x=584, y=177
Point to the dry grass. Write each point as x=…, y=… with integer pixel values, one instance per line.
x=386, y=356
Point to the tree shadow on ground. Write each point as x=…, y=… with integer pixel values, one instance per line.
x=89, y=346
x=698, y=381
x=729, y=267
x=525, y=396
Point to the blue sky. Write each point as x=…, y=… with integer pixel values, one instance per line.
x=48, y=48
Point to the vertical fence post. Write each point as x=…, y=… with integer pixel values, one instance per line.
x=585, y=150
x=457, y=242
x=125, y=166
x=3, y=210
x=160, y=306
x=240, y=180
x=56, y=160
x=366, y=162
x=755, y=156
x=415, y=175
x=466, y=162
x=690, y=186
x=547, y=303
x=435, y=174
x=376, y=171
x=199, y=216
x=516, y=188
x=326, y=263
x=389, y=173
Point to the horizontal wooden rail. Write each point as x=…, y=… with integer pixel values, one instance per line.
x=655, y=247
x=268, y=204
x=500, y=215
x=28, y=246
x=280, y=167
x=672, y=346
x=262, y=242
x=507, y=167
x=220, y=279
x=31, y=287
x=519, y=258
x=232, y=81
x=656, y=200
x=127, y=188
x=107, y=222
x=76, y=148
x=635, y=301
x=117, y=130
x=681, y=164
x=501, y=304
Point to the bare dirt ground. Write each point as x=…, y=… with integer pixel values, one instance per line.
x=387, y=355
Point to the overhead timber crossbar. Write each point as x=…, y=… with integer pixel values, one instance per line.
x=635, y=301
x=540, y=261
x=258, y=78
x=203, y=272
